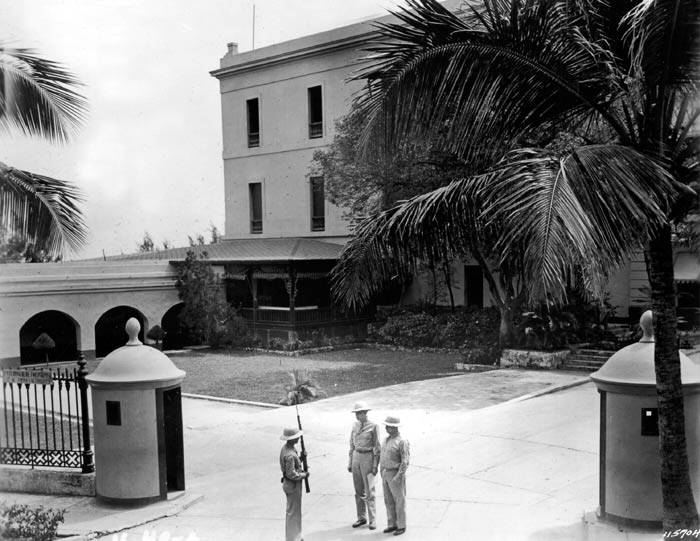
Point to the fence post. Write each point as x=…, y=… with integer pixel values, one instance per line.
x=88, y=464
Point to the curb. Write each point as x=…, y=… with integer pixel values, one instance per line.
x=231, y=401
x=550, y=390
x=125, y=519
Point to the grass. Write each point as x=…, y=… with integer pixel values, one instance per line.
x=262, y=377
x=62, y=433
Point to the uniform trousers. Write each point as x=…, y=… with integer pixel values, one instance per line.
x=394, y=498
x=362, y=465
x=292, y=489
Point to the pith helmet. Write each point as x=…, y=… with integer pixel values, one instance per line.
x=361, y=406
x=291, y=434
x=392, y=420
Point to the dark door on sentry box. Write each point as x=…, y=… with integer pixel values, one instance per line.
x=174, y=454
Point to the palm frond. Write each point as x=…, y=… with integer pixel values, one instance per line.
x=480, y=87
x=430, y=227
x=41, y=210
x=38, y=96
x=590, y=210
x=663, y=38
x=301, y=389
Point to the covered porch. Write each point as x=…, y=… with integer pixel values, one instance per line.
x=281, y=288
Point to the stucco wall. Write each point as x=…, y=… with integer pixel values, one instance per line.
x=633, y=478
x=126, y=456
x=84, y=291
x=282, y=161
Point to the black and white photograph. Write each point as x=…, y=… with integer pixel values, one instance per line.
x=333, y=270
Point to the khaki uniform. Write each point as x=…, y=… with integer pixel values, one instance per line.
x=365, y=445
x=292, y=476
x=393, y=464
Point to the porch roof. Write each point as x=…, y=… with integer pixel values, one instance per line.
x=686, y=267
x=248, y=251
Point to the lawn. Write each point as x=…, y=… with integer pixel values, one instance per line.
x=262, y=377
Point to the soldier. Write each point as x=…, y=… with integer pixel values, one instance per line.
x=394, y=463
x=363, y=461
x=292, y=476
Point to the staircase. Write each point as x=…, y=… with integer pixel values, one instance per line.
x=588, y=360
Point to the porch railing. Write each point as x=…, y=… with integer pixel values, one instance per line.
x=302, y=316
x=45, y=418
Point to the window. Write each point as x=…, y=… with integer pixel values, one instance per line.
x=315, y=112
x=253, y=114
x=113, y=409
x=256, y=219
x=318, y=205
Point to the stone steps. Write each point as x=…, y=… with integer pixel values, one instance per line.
x=588, y=360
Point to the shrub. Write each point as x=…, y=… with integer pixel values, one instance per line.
x=34, y=523
x=465, y=328
x=409, y=330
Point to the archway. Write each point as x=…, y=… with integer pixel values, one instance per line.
x=62, y=329
x=109, y=329
x=176, y=337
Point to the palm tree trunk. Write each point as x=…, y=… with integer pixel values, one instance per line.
x=506, y=330
x=679, y=508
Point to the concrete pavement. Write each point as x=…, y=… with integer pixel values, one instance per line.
x=486, y=463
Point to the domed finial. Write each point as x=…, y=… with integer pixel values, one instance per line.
x=646, y=322
x=132, y=329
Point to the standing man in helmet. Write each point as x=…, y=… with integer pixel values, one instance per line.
x=365, y=445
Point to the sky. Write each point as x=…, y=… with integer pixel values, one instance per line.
x=149, y=157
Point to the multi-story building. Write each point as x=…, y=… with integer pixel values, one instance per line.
x=279, y=104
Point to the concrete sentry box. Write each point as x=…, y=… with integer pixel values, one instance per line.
x=137, y=417
x=630, y=463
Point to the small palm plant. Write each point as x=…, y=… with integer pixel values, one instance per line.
x=301, y=389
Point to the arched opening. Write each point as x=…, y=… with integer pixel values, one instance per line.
x=110, y=333
x=62, y=329
x=176, y=337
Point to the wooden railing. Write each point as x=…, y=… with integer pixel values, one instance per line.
x=302, y=315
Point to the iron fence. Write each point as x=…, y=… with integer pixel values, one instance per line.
x=45, y=417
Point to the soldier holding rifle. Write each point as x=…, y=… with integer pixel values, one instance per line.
x=292, y=476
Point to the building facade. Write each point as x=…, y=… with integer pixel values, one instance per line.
x=279, y=105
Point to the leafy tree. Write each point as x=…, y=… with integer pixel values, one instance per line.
x=147, y=244
x=39, y=97
x=215, y=235
x=623, y=76
x=196, y=241
x=17, y=250
x=156, y=333
x=206, y=315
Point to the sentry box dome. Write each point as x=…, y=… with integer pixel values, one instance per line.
x=137, y=417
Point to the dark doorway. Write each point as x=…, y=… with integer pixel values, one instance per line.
x=473, y=286
x=176, y=335
x=171, y=454
x=62, y=329
x=110, y=332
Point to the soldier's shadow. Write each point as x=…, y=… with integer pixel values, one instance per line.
x=342, y=534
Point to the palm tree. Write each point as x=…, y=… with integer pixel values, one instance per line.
x=39, y=97
x=622, y=76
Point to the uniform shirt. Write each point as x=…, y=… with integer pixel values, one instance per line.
x=364, y=437
x=290, y=464
x=395, y=454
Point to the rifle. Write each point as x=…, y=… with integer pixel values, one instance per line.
x=304, y=461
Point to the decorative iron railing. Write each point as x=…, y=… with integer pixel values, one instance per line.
x=45, y=418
